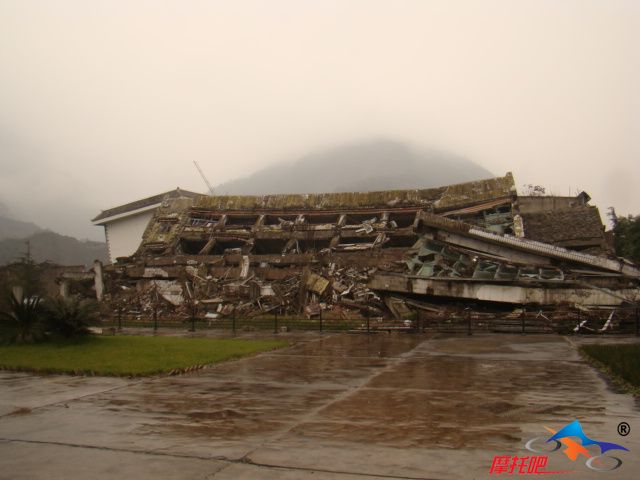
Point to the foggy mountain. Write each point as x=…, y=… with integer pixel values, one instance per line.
x=53, y=247
x=10, y=228
x=365, y=166
x=45, y=245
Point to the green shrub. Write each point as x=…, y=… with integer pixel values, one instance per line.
x=70, y=316
x=23, y=320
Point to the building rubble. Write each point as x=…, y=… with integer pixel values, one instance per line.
x=338, y=293
x=394, y=255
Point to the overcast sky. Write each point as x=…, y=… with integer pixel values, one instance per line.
x=105, y=102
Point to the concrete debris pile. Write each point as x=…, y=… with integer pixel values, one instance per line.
x=319, y=290
x=535, y=318
x=164, y=297
x=393, y=255
x=459, y=261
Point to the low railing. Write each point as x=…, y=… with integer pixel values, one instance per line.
x=620, y=320
x=274, y=323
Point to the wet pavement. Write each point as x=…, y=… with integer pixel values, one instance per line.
x=328, y=407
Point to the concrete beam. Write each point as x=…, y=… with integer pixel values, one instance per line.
x=498, y=292
x=497, y=250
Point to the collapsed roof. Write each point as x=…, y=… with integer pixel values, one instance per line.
x=144, y=203
x=457, y=260
x=278, y=223
x=471, y=241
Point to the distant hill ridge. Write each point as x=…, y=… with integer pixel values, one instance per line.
x=363, y=166
x=53, y=247
x=11, y=228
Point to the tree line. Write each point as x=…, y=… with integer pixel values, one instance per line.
x=626, y=235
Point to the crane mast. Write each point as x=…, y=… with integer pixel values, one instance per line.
x=204, y=178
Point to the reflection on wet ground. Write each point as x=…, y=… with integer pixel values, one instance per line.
x=350, y=345
x=265, y=394
x=425, y=401
x=376, y=404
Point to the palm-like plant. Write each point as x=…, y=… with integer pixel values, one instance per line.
x=70, y=316
x=22, y=322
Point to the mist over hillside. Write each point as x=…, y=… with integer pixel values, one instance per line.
x=46, y=246
x=11, y=228
x=364, y=166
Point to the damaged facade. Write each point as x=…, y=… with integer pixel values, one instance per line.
x=124, y=225
x=374, y=254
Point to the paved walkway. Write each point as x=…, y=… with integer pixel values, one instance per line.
x=331, y=406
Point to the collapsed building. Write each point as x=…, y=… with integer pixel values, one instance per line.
x=376, y=254
x=50, y=279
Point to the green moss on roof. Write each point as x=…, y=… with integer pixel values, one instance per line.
x=437, y=199
x=440, y=197
x=476, y=192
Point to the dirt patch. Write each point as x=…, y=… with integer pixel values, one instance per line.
x=226, y=413
x=21, y=411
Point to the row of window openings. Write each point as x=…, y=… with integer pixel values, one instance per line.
x=401, y=220
x=276, y=246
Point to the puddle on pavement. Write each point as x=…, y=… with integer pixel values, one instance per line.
x=411, y=418
x=260, y=394
x=424, y=400
x=482, y=344
x=358, y=345
x=224, y=409
x=299, y=370
x=436, y=400
x=462, y=373
x=456, y=402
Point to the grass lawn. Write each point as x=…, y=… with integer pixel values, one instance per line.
x=623, y=360
x=127, y=355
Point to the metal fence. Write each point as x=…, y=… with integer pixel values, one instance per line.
x=266, y=323
x=621, y=320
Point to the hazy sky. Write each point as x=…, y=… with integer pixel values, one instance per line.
x=104, y=102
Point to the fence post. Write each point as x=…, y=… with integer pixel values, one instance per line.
x=194, y=312
x=155, y=307
x=275, y=323
x=155, y=317
x=524, y=311
x=119, y=318
x=366, y=313
x=233, y=321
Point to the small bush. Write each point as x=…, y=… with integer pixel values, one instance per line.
x=70, y=316
x=23, y=321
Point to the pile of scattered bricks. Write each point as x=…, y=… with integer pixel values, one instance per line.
x=328, y=290
x=376, y=254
